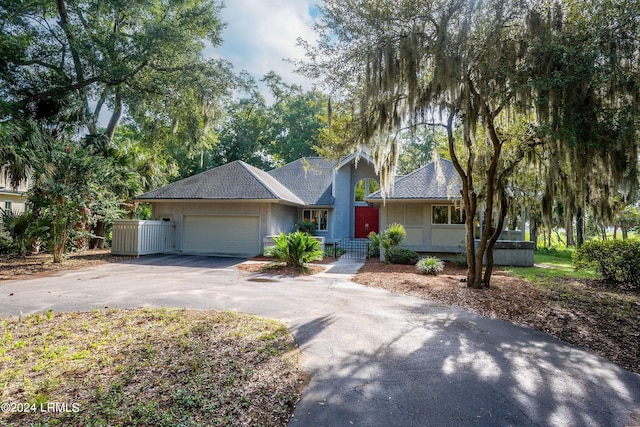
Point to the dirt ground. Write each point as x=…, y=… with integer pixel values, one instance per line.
x=12, y=267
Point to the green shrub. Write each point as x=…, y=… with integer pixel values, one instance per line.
x=430, y=265
x=6, y=243
x=402, y=256
x=332, y=251
x=296, y=249
x=618, y=261
x=374, y=245
x=389, y=238
x=307, y=227
x=393, y=236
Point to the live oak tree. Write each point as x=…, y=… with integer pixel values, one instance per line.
x=476, y=68
x=586, y=97
x=455, y=64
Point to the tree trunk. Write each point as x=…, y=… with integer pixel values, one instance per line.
x=615, y=232
x=494, y=238
x=533, y=232
x=571, y=241
x=625, y=234
x=579, y=227
x=115, y=117
x=99, y=232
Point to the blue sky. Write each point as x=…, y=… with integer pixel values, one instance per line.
x=261, y=33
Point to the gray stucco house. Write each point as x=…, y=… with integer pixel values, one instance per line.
x=231, y=209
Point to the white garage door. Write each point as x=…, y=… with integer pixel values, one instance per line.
x=222, y=235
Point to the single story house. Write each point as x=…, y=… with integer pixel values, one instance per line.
x=231, y=209
x=236, y=209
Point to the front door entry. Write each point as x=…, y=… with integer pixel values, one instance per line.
x=366, y=221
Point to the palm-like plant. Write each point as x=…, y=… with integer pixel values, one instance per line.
x=296, y=249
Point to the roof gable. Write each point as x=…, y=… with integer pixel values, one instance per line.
x=436, y=180
x=310, y=179
x=232, y=181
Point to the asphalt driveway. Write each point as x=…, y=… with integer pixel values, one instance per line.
x=375, y=358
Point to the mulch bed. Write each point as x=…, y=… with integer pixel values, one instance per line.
x=603, y=320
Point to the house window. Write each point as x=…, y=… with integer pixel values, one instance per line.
x=316, y=216
x=447, y=215
x=364, y=187
x=7, y=206
x=441, y=215
x=457, y=215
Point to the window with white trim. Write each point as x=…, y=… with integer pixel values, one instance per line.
x=317, y=216
x=441, y=214
x=7, y=206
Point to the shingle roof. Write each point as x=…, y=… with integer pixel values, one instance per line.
x=310, y=179
x=437, y=180
x=232, y=181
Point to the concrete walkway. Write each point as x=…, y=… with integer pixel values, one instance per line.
x=375, y=358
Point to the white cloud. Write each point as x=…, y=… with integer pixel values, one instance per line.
x=260, y=34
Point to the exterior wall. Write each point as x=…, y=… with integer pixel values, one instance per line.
x=16, y=196
x=516, y=253
x=422, y=235
x=345, y=180
x=18, y=201
x=176, y=211
x=282, y=218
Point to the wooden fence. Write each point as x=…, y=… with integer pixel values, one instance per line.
x=133, y=237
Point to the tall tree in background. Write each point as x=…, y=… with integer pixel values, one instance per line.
x=587, y=99
x=76, y=60
x=295, y=119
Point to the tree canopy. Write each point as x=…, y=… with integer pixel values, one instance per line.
x=68, y=61
x=497, y=75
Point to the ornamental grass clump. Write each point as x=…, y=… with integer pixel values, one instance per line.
x=430, y=265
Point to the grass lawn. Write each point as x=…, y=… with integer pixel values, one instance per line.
x=146, y=367
x=551, y=266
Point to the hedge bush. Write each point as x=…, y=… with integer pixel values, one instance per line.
x=430, y=265
x=618, y=261
x=402, y=256
x=307, y=227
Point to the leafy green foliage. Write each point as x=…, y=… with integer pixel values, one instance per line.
x=389, y=238
x=374, y=245
x=296, y=249
x=430, y=265
x=618, y=261
x=307, y=227
x=70, y=192
x=23, y=231
x=404, y=256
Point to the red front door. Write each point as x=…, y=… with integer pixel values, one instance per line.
x=366, y=221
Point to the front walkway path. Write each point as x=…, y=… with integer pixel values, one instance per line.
x=375, y=358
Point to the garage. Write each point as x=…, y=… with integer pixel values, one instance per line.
x=221, y=234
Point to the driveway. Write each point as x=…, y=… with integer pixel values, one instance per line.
x=375, y=358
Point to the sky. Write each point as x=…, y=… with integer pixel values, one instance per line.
x=260, y=34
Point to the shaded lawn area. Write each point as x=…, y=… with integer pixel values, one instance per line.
x=570, y=305
x=148, y=367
